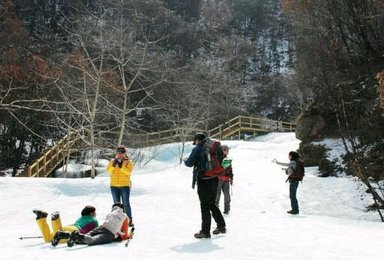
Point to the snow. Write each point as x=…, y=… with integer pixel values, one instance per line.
x=332, y=223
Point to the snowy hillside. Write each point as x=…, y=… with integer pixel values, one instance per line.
x=332, y=223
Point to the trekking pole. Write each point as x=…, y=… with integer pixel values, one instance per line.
x=29, y=237
x=129, y=240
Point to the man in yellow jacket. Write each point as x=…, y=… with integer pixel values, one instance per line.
x=120, y=169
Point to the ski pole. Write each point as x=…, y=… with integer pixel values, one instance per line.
x=129, y=240
x=29, y=237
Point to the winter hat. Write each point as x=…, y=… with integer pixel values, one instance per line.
x=121, y=149
x=88, y=210
x=199, y=136
x=118, y=205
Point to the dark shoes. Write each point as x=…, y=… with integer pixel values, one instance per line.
x=293, y=212
x=55, y=215
x=75, y=237
x=226, y=211
x=58, y=236
x=202, y=235
x=40, y=214
x=218, y=230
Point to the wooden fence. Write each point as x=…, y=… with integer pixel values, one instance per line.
x=237, y=127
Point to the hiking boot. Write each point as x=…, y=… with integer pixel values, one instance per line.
x=58, y=236
x=75, y=237
x=293, y=212
x=202, y=235
x=218, y=230
x=55, y=215
x=40, y=214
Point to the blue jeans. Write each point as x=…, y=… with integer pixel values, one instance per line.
x=122, y=193
x=292, y=195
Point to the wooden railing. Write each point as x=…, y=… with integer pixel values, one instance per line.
x=234, y=127
x=48, y=162
x=237, y=126
x=252, y=125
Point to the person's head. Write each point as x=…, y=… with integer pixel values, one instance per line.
x=88, y=211
x=293, y=156
x=200, y=136
x=118, y=205
x=120, y=149
x=225, y=149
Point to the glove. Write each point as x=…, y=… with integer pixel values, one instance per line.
x=231, y=181
x=118, y=162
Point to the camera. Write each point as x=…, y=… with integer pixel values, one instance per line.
x=117, y=161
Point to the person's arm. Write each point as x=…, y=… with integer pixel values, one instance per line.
x=291, y=168
x=280, y=163
x=127, y=167
x=124, y=230
x=192, y=157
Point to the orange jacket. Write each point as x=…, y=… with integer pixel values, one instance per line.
x=124, y=230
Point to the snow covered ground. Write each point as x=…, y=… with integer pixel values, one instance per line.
x=332, y=223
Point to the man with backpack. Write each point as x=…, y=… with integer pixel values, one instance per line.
x=206, y=158
x=295, y=172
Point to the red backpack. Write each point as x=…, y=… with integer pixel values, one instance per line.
x=214, y=154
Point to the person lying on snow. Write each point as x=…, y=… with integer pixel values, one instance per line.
x=84, y=224
x=114, y=228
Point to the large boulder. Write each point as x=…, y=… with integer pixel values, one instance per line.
x=310, y=127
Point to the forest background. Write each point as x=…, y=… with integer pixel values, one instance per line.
x=110, y=68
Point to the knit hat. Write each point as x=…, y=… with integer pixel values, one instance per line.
x=199, y=136
x=118, y=205
x=88, y=210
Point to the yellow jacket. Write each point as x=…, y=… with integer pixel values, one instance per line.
x=120, y=177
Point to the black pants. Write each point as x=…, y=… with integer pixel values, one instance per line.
x=207, y=190
x=98, y=236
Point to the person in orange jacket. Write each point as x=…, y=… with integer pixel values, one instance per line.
x=114, y=228
x=120, y=169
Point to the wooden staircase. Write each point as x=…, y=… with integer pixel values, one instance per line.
x=52, y=158
x=249, y=125
x=236, y=127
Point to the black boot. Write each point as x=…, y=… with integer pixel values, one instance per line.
x=40, y=214
x=58, y=236
x=75, y=237
x=202, y=235
x=218, y=230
